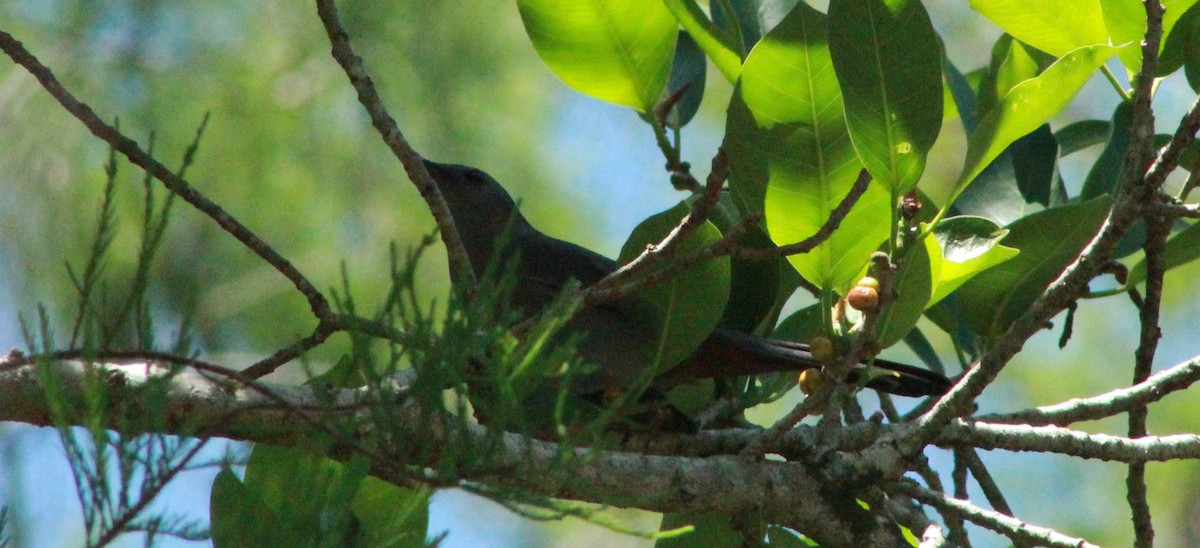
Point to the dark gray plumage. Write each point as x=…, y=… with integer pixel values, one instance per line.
x=482, y=209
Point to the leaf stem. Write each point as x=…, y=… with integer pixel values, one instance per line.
x=1116, y=84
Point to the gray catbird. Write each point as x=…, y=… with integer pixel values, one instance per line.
x=613, y=338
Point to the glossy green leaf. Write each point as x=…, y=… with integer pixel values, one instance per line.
x=913, y=289
x=1048, y=241
x=791, y=155
x=1126, y=23
x=721, y=48
x=1011, y=63
x=1181, y=249
x=960, y=248
x=1027, y=106
x=683, y=310
x=888, y=63
x=1053, y=27
x=614, y=50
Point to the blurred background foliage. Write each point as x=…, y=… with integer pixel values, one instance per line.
x=290, y=152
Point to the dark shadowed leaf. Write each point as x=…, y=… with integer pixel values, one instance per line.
x=710, y=530
x=240, y=518
x=1179, y=35
x=688, y=69
x=1035, y=164
x=683, y=310
x=1079, y=135
x=1102, y=178
x=1181, y=249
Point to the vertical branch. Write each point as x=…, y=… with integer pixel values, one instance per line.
x=1136, y=161
x=1158, y=228
x=352, y=65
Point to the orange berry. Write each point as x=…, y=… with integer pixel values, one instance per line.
x=810, y=381
x=863, y=298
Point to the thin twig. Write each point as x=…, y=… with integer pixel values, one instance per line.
x=670, y=243
x=352, y=65
x=1162, y=384
x=1015, y=529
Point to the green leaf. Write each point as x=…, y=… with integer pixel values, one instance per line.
x=719, y=47
x=913, y=289
x=1178, y=42
x=1035, y=164
x=1077, y=136
x=750, y=19
x=392, y=516
x=1048, y=241
x=791, y=154
x=1181, y=249
x=1027, y=106
x=683, y=310
x=1053, y=27
x=801, y=326
x=1011, y=63
x=755, y=285
x=1126, y=22
x=688, y=69
x=614, y=50
x=240, y=518
x=1103, y=177
x=960, y=248
x=888, y=63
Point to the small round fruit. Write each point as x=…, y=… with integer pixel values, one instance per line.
x=810, y=381
x=821, y=349
x=863, y=298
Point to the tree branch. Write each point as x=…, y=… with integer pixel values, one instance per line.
x=352, y=65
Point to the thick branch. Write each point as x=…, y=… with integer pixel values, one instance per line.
x=211, y=408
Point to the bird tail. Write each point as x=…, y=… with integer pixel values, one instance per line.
x=732, y=354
